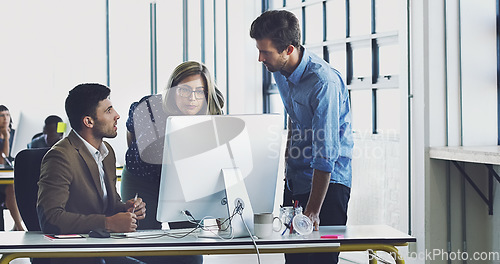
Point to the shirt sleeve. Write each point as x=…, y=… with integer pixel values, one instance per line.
x=130, y=119
x=325, y=126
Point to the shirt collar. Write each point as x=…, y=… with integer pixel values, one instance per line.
x=103, y=150
x=297, y=73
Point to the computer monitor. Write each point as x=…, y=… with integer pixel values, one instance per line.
x=197, y=148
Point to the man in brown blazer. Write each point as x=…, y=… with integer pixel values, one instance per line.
x=77, y=190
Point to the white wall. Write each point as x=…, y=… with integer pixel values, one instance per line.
x=45, y=52
x=48, y=48
x=129, y=60
x=245, y=72
x=479, y=71
x=453, y=79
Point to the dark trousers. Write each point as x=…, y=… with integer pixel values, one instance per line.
x=148, y=191
x=333, y=212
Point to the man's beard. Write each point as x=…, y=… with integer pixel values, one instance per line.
x=275, y=69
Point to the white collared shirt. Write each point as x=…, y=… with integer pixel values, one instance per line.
x=99, y=155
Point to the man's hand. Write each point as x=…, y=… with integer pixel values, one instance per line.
x=121, y=222
x=138, y=207
x=314, y=216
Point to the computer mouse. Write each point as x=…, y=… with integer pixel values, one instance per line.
x=99, y=233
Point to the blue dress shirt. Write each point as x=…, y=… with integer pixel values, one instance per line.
x=39, y=142
x=317, y=102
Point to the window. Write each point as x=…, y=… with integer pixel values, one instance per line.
x=313, y=33
x=360, y=38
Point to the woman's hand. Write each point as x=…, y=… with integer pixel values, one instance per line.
x=5, y=132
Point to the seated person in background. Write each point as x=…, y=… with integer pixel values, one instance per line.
x=6, y=133
x=189, y=91
x=49, y=136
x=6, y=137
x=77, y=186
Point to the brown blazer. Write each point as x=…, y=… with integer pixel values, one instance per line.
x=70, y=194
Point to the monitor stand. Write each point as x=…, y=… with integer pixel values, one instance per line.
x=237, y=198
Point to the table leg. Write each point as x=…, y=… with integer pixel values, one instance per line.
x=370, y=248
x=391, y=249
x=371, y=257
x=7, y=258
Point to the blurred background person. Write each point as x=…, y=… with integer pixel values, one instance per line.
x=7, y=194
x=49, y=135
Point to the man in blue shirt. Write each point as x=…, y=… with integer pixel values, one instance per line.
x=50, y=136
x=319, y=148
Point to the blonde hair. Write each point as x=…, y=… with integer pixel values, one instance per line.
x=215, y=99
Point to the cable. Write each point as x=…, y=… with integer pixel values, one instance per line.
x=207, y=228
x=199, y=225
x=145, y=235
x=188, y=214
x=378, y=257
x=251, y=237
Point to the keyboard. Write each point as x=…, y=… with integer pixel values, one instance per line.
x=159, y=232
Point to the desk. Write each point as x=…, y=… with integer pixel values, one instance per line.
x=356, y=238
x=6, y=176
x=487, y=155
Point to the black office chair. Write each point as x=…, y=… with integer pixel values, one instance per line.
x=37, y=135
x=26, y=175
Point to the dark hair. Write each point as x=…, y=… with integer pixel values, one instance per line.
x=4, y=108
x=83, y=100
x=280, y=26
x=52, y=119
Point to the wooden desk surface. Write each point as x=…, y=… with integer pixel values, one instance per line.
x=475, y=154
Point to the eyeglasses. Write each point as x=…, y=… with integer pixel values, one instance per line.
x=199, y=93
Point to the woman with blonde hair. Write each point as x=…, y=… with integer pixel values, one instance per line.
x=189, y=91
x=184, y=77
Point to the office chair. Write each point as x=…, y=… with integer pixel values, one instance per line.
x=37, y=135
x=26, y=175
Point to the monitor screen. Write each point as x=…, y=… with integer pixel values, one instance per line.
x=197, y=148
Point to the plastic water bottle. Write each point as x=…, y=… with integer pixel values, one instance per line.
x=301, y=223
